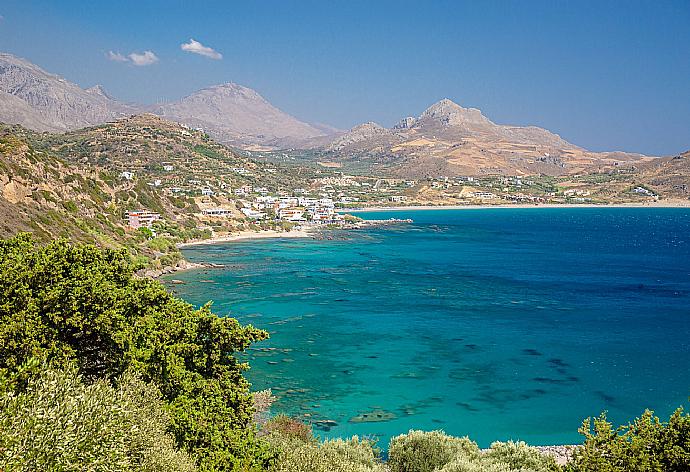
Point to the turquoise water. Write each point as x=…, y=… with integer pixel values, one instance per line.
x=498, y=323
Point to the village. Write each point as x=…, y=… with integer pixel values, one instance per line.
x=324, y=199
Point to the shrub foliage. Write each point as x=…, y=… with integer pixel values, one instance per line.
x=647, y=444
x=423, y=451
x=58, y=422
x=335, y=455
x=66, y=303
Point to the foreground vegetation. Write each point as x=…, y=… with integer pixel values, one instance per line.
x=104, y=371
x=66, y=305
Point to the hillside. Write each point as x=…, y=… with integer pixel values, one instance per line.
x=449, y=140
x=80, y=184
x=669, y=176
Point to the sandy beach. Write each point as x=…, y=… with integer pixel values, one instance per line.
x=246, y=235
x=661, y=204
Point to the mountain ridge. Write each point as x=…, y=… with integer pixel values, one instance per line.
x=231, y=113
x=448, y=139
x=444, y=139
x=61, y=105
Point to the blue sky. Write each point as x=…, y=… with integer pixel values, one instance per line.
x=604, y=75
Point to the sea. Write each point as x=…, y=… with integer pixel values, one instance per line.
x=498, y=324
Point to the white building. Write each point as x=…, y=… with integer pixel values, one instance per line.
x=305, y=201
x=217, y=212
x=253, y=214
x=292, y=214
x=244, y=190
x=143, y=218
x=266, y=199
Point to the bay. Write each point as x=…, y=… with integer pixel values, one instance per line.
x=493, y=323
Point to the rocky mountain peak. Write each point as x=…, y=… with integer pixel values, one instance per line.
x=231, y=89
x=450, y=113
x=368, y=127
x=361, y=133
x=238, y=115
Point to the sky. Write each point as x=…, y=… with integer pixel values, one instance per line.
x=604, y=75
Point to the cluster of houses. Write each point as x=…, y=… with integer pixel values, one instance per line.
x=294, y=209
x=301, y=210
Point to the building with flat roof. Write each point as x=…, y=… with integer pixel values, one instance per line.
x=143, y=218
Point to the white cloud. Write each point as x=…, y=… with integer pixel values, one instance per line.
x=196, y=47
x=144, y=59
x=117, y=57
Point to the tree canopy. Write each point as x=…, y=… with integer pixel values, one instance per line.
x=65, y=303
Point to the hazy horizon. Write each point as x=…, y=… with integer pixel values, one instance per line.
x=602, y=77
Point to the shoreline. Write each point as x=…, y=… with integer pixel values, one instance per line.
x=185, y=265
x=663, y=204
x=248, y=235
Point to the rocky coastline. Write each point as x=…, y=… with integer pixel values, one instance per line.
x=181, y=265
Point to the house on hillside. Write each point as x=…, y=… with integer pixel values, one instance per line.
x=143, y=218
x=295, y=215
x=253, y=214
x=217, y=212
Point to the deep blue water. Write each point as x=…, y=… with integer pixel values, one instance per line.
x=498, y=323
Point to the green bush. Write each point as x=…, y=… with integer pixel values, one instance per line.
x=70, y=206
x=162, y=244
x=464, y=464
x=59, y=422
x=421, y=451
x=336, y=455
x=519, y=456
x=646, y=444
x=77, y=303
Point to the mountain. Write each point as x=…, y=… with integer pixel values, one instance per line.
x=15, y=110
x=448, y=139
x=231, y=113
x=45, y=102
x=241, y=117
x=445, y=140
